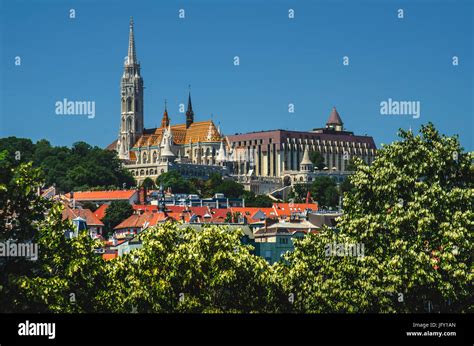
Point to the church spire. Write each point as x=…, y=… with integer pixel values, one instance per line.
x=132, y=57
x=189, y=111
x=165, y=122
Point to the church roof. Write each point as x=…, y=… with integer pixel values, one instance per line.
x=202, y=131
x=334, y=118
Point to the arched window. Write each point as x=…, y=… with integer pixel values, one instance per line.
x=142, y=172
x=144, y=158
x=129, y=104
x=129, y=124
x=155, y=156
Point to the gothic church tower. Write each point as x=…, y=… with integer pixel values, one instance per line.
x=131, y=87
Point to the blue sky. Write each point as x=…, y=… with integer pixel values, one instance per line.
x=282, y=61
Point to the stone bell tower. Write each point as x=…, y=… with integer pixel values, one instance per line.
x=131, y=94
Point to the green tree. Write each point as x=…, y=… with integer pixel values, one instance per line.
x=63, y=266
x=80, y=167
x=148, y=183
x=351, y=166
x=115, y=213
x=184, y=270
x=21, y=209
x=230, y=188
x=317, y=159
x=90, y=205
x=176, y=182
x=260, y=201
x=324, y=190
x=69, y=276
x=413, y=212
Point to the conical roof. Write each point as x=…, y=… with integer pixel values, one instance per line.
x=334, y=118
x=166, y=152
x=306, y=160
x=221, y=156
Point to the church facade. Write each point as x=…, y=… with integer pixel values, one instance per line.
x=195, y=148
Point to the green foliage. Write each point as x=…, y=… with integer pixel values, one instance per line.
x=176, y=182
x=89, y=205
x=115, y=213
x=317, y=159
x=20, y=210
x=324, y=190
x=230, y=189
x=63, y=266
x=260, y=201
x=148, y=183
x=413, y=211
x=206, y=188
x=81, y=167
x=351, y=166
x=69, y=276
x=184, y=270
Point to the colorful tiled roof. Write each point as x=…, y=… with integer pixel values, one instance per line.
x=144, y=220
x=86, y=214
x=100, y=212
x=286, y=209
x=103, y=195
x=202, y=131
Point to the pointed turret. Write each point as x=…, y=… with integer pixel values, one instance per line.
x=334, y=121
x=306, y=164
x=165, y=121
x=221, y=155
x=166, y=154
x=189, y=112
x=132, y=57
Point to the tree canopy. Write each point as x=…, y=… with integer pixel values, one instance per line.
x=81, y=167
x=413, y=212
x=115, y=213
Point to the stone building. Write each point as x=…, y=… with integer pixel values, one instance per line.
x=192, y=148
x=285, y=154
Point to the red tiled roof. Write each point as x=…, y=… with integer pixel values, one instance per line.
x=199, y=211
x=219, y=215
x=250, y=212
x=86, y=214
x=103, y=195
x=110, y=256
x=112, y=146
x=175, y=208
x=285, y=209
x=138, y=221
x=100, y=212
x=145, y=207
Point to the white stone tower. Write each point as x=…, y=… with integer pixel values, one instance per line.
x=131, y=89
